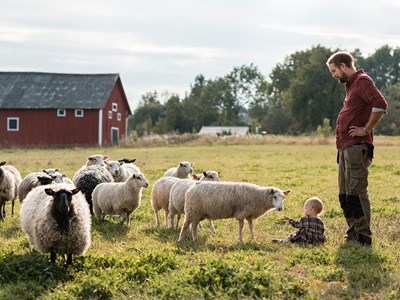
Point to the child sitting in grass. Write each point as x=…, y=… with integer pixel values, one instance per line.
x=311, y=228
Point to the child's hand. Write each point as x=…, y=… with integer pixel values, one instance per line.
x=285, y=218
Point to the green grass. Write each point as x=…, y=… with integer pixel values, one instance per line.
x=142, y=261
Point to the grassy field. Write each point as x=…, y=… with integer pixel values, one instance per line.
x=145, y=262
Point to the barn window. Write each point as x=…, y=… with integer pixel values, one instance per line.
x=114, y=106
x=79, y=113
x=13, y=124
x=61, y=112
x=110, y=114
x=119, y=116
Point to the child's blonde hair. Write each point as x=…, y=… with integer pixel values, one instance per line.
x=315, y=203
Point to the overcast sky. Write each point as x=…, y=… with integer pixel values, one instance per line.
x=162, y=45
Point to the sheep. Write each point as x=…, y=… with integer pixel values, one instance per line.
x=177, y=196
x=183, y=170
x=92, y=160
x=160, y=196
x=223, y=200
x=121, y=198
x=31, y=181
x=88, y=178
x=61, y=178
x=119, y=170
x=10, y=179
x=56, y=219
x=130, y=164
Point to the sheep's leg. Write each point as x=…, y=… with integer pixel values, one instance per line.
x=128, y=219
x=194, y=230
x=2, y=209
x=241, y=223
x=12, y=206
x=171, y=219
x=178, y=217
x=53, y=256
x=184, y=228
x=211, y=224
x=166, y=217
x=157, y=218
x=250, y=221
x=69, y=260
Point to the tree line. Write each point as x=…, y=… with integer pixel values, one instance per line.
x=298, y=96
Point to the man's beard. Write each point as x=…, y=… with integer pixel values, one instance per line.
x=343, y=78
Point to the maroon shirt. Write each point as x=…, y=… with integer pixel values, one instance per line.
x=361, y=96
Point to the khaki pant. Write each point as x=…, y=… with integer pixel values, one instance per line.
x=353, y=191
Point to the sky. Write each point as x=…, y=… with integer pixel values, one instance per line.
x=162, y=45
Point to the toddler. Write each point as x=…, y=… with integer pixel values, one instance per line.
x=311, y=228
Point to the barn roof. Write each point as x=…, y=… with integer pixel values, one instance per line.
x=34, y=90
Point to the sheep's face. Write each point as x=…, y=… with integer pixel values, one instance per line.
x=113, y=167
x=58, y=177
x=278, y=196
x=62, y=199
x=210, y=176
x=96, y=159
x=187, y=166
x=140, y=180
x=45, y=180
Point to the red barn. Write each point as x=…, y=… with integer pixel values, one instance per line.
x=53, y=109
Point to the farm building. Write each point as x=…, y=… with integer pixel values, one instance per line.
x=224, y=130
x=54, y=109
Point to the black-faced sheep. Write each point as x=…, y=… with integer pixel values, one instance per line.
x=57, y=220
x=177, y=195
x=10, y=179
x=183, y=170
x=121, y=198
x=86, y=179
x=223, y=200
x=31, y=181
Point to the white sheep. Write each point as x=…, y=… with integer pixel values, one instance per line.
x=10, y=179
x=160, y=196
x=93, y=160
x=121, y=198
x=129, y=164
x=223, y=200
x=177, y=196
x=56, y=219
x=58, y=177
x=183, y=170
x=86, y=179
x=119, y=170
x=31, y=181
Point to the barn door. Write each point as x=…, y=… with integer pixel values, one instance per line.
x=114, y=135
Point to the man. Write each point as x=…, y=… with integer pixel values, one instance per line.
x=363, y=108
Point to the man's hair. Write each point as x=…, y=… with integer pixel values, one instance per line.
x=341, y=57
x=315, y=203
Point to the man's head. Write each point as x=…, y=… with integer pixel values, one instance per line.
x=341, y=65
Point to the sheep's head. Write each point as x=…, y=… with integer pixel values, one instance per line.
x=96, y=159
x=140, y=180
x=278, y=196
x=44, y=180
x=210, y=176
x=62, y=199
x=187, y=166
x=113, y=167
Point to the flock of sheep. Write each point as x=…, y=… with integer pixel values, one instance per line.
x=56, y=212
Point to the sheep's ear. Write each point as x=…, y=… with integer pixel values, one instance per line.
x=272, y=191
x=205, y=173
x=195, y=177
x=121, y=162
x=134, y=176
x=90, y=158
x=287, y=192
x=106, y=162
x=219, y=173
x=192, y=164
x=49, y=192
x=64, y=175
x=75, y=190
x=133, y=160
x=181, y=164
x=44, y=171
x=2, y=163
x=105, y=157
x=57, y=170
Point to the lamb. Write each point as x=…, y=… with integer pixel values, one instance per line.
x=10, y=179
x=160, y=196
x=223, y=200
x=177, y=196
x=56, y=219
x=121, y=198
x=31, y=181
x=120, y=170
x=86, y=179
x=183, y=170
